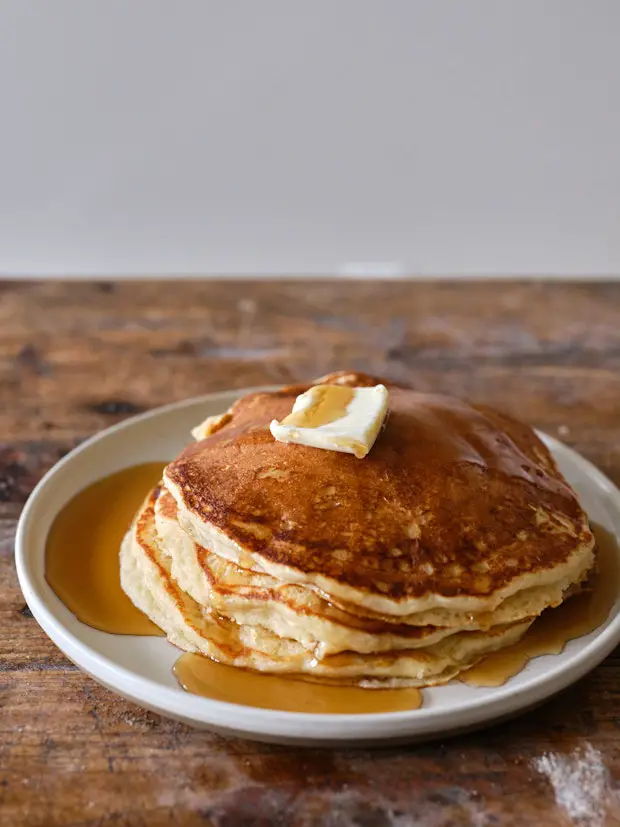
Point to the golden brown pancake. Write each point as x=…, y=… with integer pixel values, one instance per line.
x=456, y=507
x=287, y=609
x=290, y=610
x=147, y=577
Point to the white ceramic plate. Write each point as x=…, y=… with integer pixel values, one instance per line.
x=139, y=668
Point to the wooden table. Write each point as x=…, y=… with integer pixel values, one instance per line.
x=77, y=357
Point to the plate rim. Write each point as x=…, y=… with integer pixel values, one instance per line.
x=270, y=722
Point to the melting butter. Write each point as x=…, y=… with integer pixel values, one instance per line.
x=335, y=418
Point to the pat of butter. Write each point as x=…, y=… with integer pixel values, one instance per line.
x=335, y=418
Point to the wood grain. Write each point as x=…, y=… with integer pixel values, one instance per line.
x=76, y=357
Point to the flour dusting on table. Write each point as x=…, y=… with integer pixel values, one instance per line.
x=581, y=783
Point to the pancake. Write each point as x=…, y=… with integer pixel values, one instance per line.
x=286, y=609
x=147, y=577
x=458, y=512
x=289, y=610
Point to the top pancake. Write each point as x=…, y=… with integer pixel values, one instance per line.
x=456, y=505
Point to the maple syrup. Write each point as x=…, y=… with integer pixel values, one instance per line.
x=81, y=555
x=204, y=677
x=330, y=403
x=82, y=567
x=550, y=633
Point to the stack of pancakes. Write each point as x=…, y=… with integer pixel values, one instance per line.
x=405, y=568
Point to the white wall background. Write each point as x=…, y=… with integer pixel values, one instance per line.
x=438, y=137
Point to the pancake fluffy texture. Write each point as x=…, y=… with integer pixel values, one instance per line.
x=146, y=576
x=404, y=568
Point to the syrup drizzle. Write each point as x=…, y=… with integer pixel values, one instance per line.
x=550, y=633
x=330, y=403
